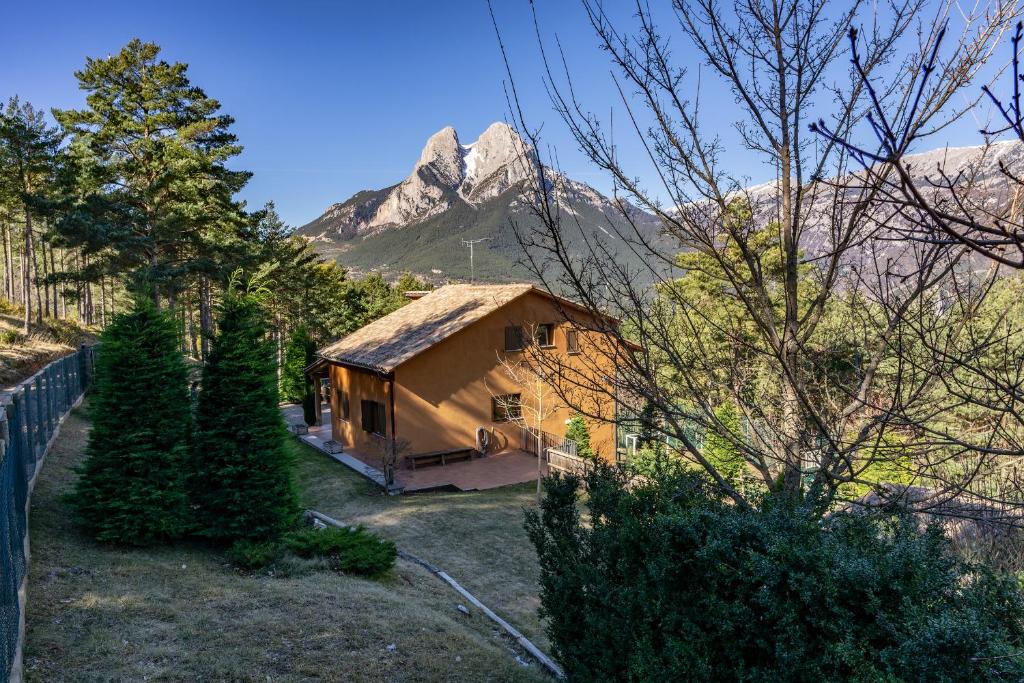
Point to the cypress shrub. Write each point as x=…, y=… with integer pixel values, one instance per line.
x=578, y=431
x=298, y=354
x=131, y=488
x=242, y=470
x=666, y=581
x=719, y=450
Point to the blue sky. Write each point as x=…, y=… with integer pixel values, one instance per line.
x=334, y=97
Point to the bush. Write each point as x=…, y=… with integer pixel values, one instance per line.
x=241, y=484
x=65, y=332
x=577, y=431
x=10, y=337
x=351, y=550
x=719, y=447
x=298, y=354
x=131, y=488
x=669, y=582
x=254, y=554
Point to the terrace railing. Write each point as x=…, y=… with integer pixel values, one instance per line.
x=30, y=415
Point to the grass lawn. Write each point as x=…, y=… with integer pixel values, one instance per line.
x=183, y=614
x=476, y=537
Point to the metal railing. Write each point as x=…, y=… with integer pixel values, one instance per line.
x=546, y=441
x=30, y=415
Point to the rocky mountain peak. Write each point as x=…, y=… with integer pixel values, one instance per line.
x=443, y=155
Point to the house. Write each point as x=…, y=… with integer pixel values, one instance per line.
x=434, y=375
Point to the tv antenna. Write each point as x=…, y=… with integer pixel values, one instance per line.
x=470, y=244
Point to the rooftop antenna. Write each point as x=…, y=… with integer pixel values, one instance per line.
x=470, y=244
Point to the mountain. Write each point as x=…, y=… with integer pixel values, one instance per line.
x=459, y=192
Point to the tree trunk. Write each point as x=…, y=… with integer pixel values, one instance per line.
x=53, y=270
x=44, y=281
x=25, y=273
x=63, y=296
x=205, y=316
x=8, y=265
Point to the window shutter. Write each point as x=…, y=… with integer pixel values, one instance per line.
x=572, y=341
x=381, y=422
x=366, y=415
x=515, y=338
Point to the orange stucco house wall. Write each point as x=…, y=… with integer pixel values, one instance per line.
x=436, y=400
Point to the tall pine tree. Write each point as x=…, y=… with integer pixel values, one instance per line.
x=242, y=472
x=131, y=488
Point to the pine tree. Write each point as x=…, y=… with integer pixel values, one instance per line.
x=242, y=471
x=131, y=488
x=296, y=357
x=161, y=147
x=719, y=448
x=577, y=431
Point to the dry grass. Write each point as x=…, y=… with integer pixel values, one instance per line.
x=21, y=356
x=181, y=613
x=476, y=537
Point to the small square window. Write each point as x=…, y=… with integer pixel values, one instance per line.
x=545, y=335
x=514, y=338
x=506, y=408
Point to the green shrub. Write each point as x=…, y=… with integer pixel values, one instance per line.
x=64, y=332
x=299, y=352
x=254, y=554
x=131, y=488
x=719, y=447
x=350, y=550
x=11, y=337
x=241, y=469
x=666, y=581
x=578, y=431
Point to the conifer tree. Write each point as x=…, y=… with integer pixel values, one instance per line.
x=720, y=449
x=242, y=472
x=131, y=488
x=296, y=358
x=577, y=431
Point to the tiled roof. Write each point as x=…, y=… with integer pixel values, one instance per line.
x=388, y=342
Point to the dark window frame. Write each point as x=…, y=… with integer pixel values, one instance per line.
x=373, y=417
x=515, y=338
x=500, y=408
x=549, y=335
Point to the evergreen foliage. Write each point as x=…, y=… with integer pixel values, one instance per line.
x=350, y=550
x=131, y=488
x=667, y=582
x=719, y=447
x=578, y=431
x=297, y=355
x=241, y=469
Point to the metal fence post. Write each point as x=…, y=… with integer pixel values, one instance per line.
x=40, y=415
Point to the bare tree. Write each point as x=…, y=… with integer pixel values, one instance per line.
x=529, y=398
x=788, y=299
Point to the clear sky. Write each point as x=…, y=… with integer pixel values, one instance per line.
x=332, y=97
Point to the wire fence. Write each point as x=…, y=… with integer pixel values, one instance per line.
x=29, y=416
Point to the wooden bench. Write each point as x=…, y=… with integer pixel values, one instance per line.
x=441, y=457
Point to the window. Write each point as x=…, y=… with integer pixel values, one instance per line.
x=514, y=338
x=343, y=406
x=506, y=408
x=374, y=419
x=545, y=335
x=572, y=341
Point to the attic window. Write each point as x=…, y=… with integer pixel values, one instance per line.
x=545, y=335
x=514, y=338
